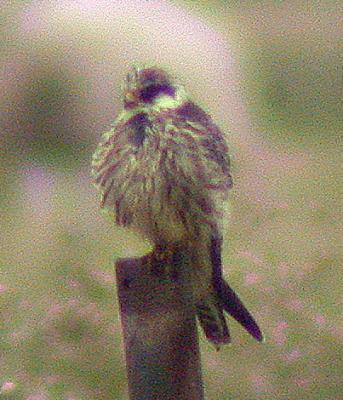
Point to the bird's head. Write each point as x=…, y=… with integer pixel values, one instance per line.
x=149, y=87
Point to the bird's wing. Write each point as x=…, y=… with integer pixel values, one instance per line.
x=114, y=162
x=198, y=153
x=200, y=130
x=206, y=160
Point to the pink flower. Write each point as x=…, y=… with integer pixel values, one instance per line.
x=251, y=278
x=55, y=309
x=295, y=304
x=74, y=283
x=249, y=255
x=51, y=379
x=302, y=382
x=7, y=386
x=279, y=333
x=283, y=269
x=320, y=320
x=292, y=355
x=3, y=288
x=259, y=382
x=283, y=205
x=103, y=276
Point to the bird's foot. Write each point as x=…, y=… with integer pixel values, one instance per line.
x=163, y=262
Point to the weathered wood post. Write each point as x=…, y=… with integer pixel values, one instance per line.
x=159, y=329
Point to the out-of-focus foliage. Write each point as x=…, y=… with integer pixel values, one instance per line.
x=61, y=69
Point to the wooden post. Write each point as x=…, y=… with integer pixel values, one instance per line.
x=159, y=329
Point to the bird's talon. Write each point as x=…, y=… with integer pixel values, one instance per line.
x=163, y=262
x=164, y=255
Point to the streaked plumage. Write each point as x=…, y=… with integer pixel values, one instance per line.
x=164, y=169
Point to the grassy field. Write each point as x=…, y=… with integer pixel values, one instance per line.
x=60, y=337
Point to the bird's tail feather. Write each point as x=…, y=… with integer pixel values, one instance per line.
x=233, y=306
x=212, y=320
x=210, y=310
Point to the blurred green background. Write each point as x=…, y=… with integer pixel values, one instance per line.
x=61, y=68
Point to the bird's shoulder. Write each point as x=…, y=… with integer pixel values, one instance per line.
x=199, y=124
x=193, y=129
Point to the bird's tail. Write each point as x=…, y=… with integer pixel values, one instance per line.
x=210, y=310
x=212, y=320
x=233, y=306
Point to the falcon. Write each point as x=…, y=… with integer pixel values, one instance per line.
x=164, y=170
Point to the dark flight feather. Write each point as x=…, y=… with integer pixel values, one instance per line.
x=229, y=300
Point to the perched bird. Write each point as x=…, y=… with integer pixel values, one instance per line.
x=164, y=169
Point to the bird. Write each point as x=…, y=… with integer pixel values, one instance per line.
x=164, y=169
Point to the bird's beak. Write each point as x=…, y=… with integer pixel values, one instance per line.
x=130, y=99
